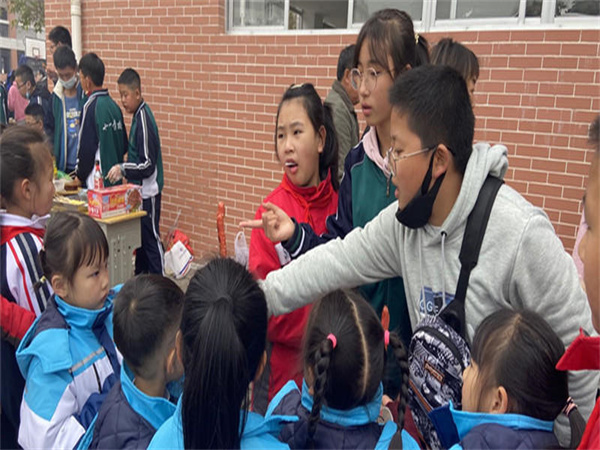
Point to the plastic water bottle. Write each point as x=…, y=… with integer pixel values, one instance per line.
x=98, y=180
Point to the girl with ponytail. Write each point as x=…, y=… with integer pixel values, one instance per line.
x=344, y=359
x=221, y=343
x=307, y=149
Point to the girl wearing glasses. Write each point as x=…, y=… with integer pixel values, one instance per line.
x=386, y=47
x=307, y=148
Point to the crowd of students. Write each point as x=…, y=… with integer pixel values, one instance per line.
x=310, y=347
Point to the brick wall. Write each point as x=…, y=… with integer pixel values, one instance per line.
x=215, y=96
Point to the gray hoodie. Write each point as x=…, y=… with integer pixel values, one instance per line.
x=522, y=263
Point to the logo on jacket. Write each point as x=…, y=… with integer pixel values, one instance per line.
x=433, y=302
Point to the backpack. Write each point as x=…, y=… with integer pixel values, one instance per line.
x=439, y=350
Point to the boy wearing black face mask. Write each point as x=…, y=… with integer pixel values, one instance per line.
x=438, y=175
x=66, y=106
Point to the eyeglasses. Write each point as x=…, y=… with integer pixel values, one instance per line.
x=370, y=77
x=394, y=155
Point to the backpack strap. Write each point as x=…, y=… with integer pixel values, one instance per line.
x=454, y=314
x=396, y=442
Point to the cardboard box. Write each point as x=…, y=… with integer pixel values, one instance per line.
x=114, y=201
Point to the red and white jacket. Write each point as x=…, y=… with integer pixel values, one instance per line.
x=311, y=205
x=20, y=242
x=584, y=354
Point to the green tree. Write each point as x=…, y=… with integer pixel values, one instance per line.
x=28, y=13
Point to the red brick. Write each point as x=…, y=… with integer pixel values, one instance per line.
x=573, y=76
x=548, y=165
x=573, y=102
x=565, y=179
x=562, y=35
x=581, y=49
x=525, y=62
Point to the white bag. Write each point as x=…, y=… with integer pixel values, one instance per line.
x=178, y=260
x=241, y=249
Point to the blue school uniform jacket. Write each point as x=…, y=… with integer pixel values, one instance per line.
x=350, y=429
x=69, y=361
x=465, y=430
x=128, y=418
x=259, y=432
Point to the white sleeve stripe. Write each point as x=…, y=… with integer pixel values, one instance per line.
x=23, y=275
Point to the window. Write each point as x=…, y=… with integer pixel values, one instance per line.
x=275, y=15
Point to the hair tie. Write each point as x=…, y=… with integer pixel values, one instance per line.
x=417, y=38
x=43, y=279
x=569, y=407
x=386, y=338
x=333, y=339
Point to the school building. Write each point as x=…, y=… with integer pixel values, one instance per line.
x=213, y=72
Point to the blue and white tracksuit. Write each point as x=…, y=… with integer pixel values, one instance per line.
x=341, y=429
x=259, y=432
x=462, y=430
x=69, y=362
x=128, y=418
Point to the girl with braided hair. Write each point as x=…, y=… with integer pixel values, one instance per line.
x=344, y=360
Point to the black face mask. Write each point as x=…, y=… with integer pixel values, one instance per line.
x=418, y=211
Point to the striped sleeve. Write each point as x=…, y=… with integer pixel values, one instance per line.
x=23, y=272
x=148, y=146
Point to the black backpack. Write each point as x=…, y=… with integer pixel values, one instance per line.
x=439, y=349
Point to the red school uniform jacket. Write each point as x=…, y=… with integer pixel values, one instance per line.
x=285, y=332
x=584, y=354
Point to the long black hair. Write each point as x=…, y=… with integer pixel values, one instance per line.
x=518, y=350
x=319, y=115
x=224, y=329
x=348, y=375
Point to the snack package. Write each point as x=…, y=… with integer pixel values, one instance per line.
x=114, y=201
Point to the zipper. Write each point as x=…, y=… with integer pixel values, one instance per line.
x=446, y=340
x=97, y=378
x=387, y=191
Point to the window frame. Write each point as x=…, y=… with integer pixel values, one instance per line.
x=429, y=23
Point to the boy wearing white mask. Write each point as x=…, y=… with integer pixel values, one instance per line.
x=66, y=106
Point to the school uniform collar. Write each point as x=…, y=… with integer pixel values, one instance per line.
x=256, y=425
x=465, y=421
x=359, y=415
x=140, y=107
x=81, y=317
x=98, y=93
x=34, y=221
x=156, y=410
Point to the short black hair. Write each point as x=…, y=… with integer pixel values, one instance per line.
x=35, y=110
x=436, y=101
x=25, y=73
x=345, y=61
x=60, y=35
x=448, y=52
x=64, y=57
x=92, y=66
x=146, y=309
x=130, y=78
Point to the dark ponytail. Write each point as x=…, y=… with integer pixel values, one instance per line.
x=319, y=116
x=421, y=50
x=401, y=356
x=322, y=358
x=223, y=327
x=329, y=159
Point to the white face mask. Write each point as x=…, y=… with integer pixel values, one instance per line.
x=70, y=84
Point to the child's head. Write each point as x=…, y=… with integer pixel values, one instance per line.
x=222, y=347
x=91, y=72
x=74, y=259
x=589, y=247
x=130, y=89
x=34, y=116
x=513, y=367
x=386, y=46
x=147, y=314
x=431, y=117
x=59, y=36
x=305, y=138
x=26, y=172
x=448, y=52
x=344, y=355
x=25, y=80
x=66, y=66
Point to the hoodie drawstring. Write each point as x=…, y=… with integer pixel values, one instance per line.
x=444, y=234
x=421, y=275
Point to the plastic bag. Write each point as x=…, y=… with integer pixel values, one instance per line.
x=241, y=249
